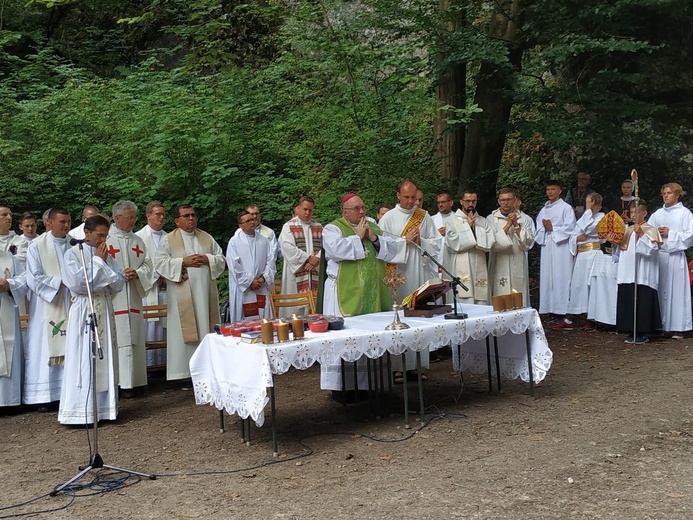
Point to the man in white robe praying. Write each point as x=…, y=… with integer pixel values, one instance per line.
x=585, y=245
x=508, y=266
x=356, y=251
x=48, y=310
x=417, y=228
x=12, y=290
x=468, y=237
x=252, y=266
x=675, y=225
x=154, y=328
x=129, y=250
x=555, y=226
x=191, y=261
x=105, y=277
x=300, y=241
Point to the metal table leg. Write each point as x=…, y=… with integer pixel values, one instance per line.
x=273, y=413
x=420, y=378
x=405, y=390
x=498, y=375
x=488, y=365
x=530, y=366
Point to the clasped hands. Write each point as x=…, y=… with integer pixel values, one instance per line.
x=363, y=230
x=196, y=260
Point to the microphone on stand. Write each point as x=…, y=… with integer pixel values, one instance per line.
x=75, y=241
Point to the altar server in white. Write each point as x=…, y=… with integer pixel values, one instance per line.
x=585, y=245
x=356, y=252
x=106, y=278
x=252, y=266
x=130, y=252
x=12, y=289
x=48, y=309
x=675, y=225
x=416, y=226
x=191, y=261
x=468, y=237
x=555, y=226
x=154, y=328
x=508, y=266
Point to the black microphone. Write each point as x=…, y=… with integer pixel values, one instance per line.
x=75, y=241
x=13, y=249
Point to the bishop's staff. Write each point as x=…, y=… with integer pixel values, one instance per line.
x=636, y=191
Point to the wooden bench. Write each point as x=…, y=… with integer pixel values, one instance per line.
x=155, y=311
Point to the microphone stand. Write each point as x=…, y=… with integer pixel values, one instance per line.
x=96, y=460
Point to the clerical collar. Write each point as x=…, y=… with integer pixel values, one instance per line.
x=187, y=233
x=58, y=239
x=407, y=211
x=155, y=232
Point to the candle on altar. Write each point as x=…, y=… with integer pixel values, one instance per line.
x=517, y=299
x=507, y=301
x=498, y=303
x=282, y=331
x=267, y=332
x=297, y=327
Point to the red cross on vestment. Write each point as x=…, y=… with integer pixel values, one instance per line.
x=112, y=250
x=137, y=250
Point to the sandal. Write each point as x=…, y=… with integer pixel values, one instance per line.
x=398, y=378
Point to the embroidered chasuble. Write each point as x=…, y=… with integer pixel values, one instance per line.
x=299, y=241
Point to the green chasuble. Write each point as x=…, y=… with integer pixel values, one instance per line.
x=360, y=286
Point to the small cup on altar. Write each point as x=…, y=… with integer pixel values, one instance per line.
x=498, y=303
x=297, y=327
x=267, y=332
x=517, y=300
x=507, y=302
x=282, y=331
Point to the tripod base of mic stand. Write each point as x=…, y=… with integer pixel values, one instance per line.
x=458, y=316
x=96, y=462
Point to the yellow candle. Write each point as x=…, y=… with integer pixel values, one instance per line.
x=517, y=300
x=283, y=331
x=297, y=327
x=267, y=332
x=507, y=301
x=497, y=303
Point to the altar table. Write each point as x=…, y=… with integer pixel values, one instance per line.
x=234, y=376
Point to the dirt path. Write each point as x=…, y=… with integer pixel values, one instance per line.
x=610, y=435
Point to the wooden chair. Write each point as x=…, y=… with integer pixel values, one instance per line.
x=279, y=301
x=155, y=311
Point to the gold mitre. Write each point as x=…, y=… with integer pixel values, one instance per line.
x=611, y=223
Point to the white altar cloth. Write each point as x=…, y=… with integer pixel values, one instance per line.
x=226, y=375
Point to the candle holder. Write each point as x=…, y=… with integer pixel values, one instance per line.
x=394, y=280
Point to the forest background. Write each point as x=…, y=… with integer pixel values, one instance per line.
x=222, y=103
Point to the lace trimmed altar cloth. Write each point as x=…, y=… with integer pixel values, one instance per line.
x=234, y=376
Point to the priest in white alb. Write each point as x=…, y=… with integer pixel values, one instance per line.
x=416, y=226
x=675, y=225
x=252, y=266
x=12, y=290
x=468, y=237
x=48, y=309
x=555, y=226
x=355, y=251
x=9, y=240
x=191, y=261
x=508, y=266
x=154, y=328
x=129, y=250
x=106, y=278
x=300, y=242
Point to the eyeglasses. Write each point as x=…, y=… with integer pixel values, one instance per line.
x=247, y=221
x=357, y=208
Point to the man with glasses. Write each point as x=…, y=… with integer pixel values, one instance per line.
x=191, y=261
x=508, y=266
x=468, y=237
x=252, y=268
x=154, y=329
x=355, y=251
x=129, y=250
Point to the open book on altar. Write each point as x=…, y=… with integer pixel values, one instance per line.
x=426, y=296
